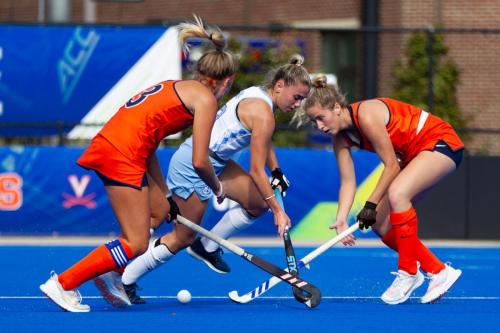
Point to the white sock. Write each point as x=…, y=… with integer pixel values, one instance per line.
x=234, y=220
x=148, y=261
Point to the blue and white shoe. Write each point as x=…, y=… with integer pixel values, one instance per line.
x=212, y=259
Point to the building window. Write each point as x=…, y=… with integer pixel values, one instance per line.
x=340, y=57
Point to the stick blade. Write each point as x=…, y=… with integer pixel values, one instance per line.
x=233, y=296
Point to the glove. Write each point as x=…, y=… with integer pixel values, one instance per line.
x=174, y=209
x=280, y=180
x=221, y=195
x=367, y=216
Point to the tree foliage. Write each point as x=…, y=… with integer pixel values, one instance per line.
x=412, y=78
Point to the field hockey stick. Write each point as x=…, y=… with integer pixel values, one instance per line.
x=291, y=261
x=304, y=286
x=304, y=262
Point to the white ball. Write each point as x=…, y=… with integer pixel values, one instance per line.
x=184, y=296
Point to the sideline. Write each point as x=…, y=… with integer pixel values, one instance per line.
x=241, y=241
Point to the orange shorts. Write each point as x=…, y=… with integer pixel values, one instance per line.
x=102, y=157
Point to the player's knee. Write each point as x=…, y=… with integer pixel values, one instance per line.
x=257, y=210
x=397, y=197
x=139, y=246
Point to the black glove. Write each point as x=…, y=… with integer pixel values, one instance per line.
x=279, y=179
x=367, y=216
x=174, y=209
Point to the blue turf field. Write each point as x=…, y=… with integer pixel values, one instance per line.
x=351, y=280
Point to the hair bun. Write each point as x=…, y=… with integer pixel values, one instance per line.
x=320, y=81
x=296, y=59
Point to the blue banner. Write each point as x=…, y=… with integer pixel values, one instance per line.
x=58, y=73
x=44, y=192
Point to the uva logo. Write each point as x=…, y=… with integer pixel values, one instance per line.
x=79, y=199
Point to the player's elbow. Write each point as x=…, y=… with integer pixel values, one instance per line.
x=393, y=167
x=200, y=165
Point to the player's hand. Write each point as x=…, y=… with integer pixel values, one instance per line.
x=367, y=216
x=174, y=209
x=282, y=221
x=221, y=194
x=279, y=180
x=340, y=226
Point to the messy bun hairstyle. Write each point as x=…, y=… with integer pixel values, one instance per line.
x=291, y=73
x=216, y=64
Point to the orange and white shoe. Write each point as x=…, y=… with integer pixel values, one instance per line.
x=69, y=300
x=440, y=283
x=402, y=287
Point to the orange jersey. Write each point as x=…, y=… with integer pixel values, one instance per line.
x=410, y=129
x=134, y=133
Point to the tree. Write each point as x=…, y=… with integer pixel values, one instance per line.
x=412, y=78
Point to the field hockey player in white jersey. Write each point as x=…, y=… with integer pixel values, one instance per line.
x=247, y=120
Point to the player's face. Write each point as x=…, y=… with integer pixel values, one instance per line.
x=290, y=97
x=325, y=119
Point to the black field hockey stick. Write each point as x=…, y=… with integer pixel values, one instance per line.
x=305, y=287
x=291, y=261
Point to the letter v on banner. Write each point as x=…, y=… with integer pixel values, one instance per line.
x=78, y=199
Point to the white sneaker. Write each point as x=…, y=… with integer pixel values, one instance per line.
x=111, y=287
x=69, y=300
x=402, y=287
x=440, y=283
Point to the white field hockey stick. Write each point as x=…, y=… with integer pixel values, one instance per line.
x=304, y=286
x=304, y=262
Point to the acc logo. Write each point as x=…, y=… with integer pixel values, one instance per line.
x=11, y=193
x=77, y=53
x=79, y=187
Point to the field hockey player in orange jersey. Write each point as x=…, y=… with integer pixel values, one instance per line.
x=417, y=150
x=123, y=155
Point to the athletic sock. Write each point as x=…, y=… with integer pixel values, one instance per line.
x=428, y=261
x=105, y=258
x=405, y=227
x=234, y=220
x=156, y=254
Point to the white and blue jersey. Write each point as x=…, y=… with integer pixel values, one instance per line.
x=228, y=137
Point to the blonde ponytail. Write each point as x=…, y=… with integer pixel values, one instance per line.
x=217, y=64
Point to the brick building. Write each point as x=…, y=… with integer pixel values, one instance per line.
x=327, y=50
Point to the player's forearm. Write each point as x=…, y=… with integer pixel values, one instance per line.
x=154, y=171
x=261, y=181
x=347, y=192
x=388, y=175
x=272, y=160
x=205, y=170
